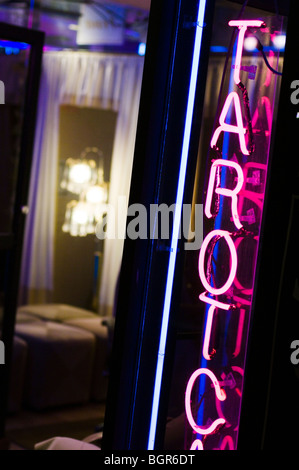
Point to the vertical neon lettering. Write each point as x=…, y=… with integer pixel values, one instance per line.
x=232, y=193
x=207, y=336
x=220, y=394
x=245, y=189
x=242, y=25
x=234, y=262
x=239, y=129
x=196, y=445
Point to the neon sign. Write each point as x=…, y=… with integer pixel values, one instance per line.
x=238, y=183
x=234, y=99
x=225, y=191
x=220, y=394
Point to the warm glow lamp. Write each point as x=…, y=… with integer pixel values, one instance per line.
x=78, y=175
x=78, y=219
x=85, y=178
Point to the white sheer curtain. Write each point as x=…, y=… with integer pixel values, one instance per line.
x=89, y=79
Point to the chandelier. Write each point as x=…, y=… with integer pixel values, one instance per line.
x=84, y=177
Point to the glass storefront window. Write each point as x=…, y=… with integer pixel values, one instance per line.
x=213, y=322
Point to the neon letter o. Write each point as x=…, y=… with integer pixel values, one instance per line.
x=233, y=267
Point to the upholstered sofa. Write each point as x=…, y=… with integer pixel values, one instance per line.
x=64, y=352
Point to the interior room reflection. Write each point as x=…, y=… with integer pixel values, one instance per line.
x=82, y=160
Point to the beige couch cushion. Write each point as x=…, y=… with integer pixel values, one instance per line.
x=59, y=364
x=17, y=375
x=55, y=312
x=99, y=383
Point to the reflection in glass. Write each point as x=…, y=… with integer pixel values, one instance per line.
x=14, y=58
x=13, y=71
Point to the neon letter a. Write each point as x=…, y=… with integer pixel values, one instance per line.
x=234, y=99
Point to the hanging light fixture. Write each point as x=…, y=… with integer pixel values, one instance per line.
x=80, y=173
x=85, y=178
x=97, y=193
x=78, y=219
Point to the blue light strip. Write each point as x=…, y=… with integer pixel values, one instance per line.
x=13, y=44
x=176, y=224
